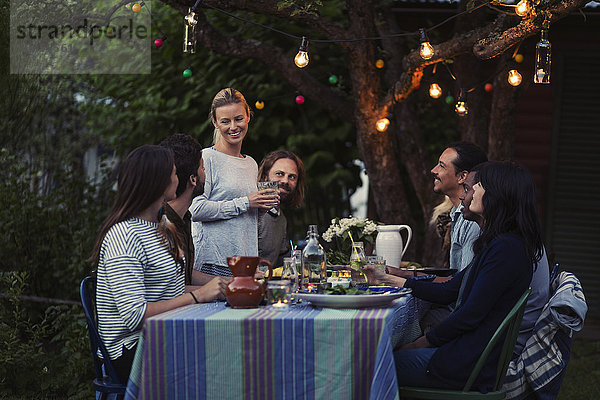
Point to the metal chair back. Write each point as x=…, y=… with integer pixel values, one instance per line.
x=106, y=380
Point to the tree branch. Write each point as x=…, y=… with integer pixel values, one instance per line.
x=269, y=7
x=276, y=59
x=496, y=43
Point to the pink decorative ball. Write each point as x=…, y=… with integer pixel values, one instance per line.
x=299, y=99
x=158, y=42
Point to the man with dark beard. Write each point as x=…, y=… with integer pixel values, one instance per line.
x=286, y=168
x=190, y=171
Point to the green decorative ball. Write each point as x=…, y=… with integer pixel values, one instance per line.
x=187, y=73
x=449, y=100
x=333, y=79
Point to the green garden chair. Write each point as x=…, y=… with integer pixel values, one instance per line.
x=511, y=324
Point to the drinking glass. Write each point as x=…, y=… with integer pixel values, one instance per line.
x=289, y=273
x=274, y=185
x=278, y=293
x=378, y=261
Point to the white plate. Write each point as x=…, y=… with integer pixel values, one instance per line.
x=351, y=300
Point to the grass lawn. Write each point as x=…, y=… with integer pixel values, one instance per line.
x=582, y=380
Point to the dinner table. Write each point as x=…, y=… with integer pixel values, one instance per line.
x=212, y=351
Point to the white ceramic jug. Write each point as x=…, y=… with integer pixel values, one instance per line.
x=389, y=243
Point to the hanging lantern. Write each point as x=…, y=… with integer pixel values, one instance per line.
x=189, y=39
x=543, y=62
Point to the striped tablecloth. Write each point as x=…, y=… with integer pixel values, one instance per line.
x=210, y=351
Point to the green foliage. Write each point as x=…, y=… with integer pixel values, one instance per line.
x=301, y=7
x=50, y=218
x=42, y=356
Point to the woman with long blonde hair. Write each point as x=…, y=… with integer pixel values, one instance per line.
x=228, y=209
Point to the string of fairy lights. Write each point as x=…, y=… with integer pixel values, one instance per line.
x=524, y=9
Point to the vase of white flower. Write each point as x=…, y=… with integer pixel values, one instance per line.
x=339, y=232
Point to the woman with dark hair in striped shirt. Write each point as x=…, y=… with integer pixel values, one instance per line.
x=139, y=258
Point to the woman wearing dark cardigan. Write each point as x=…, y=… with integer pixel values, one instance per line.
x=509, y=246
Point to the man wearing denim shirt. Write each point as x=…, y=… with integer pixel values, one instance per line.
x=449, y=175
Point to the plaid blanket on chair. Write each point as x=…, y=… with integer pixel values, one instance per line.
x=540, y=367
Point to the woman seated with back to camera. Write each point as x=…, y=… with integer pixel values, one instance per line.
x=509, y=247
x=139, y=258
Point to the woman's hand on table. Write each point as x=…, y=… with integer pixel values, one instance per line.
x=213, y=290
x=376, y=276
x=263, y=199
x=420, y=343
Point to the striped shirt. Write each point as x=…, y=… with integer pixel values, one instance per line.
x=135, y=268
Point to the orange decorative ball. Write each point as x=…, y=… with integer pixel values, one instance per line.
x=259, y=105
x=379, y=63
x=488, y=87
x=136, y=8
x=519, y=58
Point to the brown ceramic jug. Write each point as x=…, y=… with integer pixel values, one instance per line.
x=244, y=291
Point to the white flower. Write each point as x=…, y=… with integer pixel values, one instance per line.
x=344, y=225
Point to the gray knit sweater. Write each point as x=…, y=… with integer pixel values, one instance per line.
x=228, y=224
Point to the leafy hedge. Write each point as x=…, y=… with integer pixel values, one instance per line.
x=49, y=225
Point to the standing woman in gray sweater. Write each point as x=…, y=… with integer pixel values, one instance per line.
x=228, y=209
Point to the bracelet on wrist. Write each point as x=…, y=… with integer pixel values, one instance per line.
x=194, y=297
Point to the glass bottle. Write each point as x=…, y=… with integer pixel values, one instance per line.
x=357, y=261
x=289, y=273
x=314, y=274
x=297, y=258
x=542, y=59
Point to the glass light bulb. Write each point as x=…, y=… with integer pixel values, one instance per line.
x=461, y=108
x=514, y=77
x=523, y=8
x=382, y=124
x=301, y=59
x=426, y=51
x=543, y=63
x=435, y=90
